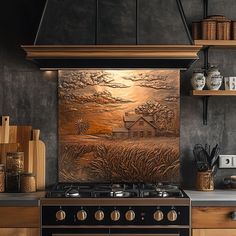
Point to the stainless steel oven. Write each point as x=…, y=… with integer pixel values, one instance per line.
x=115, y=217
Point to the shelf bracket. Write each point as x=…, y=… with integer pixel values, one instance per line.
x=205, y=109
x=205, y=7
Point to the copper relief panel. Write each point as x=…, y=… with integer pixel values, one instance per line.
x=118, y=125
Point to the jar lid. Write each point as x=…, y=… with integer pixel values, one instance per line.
x=29, y=174
x=217, y=17
x=15, y=154
x=213, y=66
x=198, y=70
x=12, y=173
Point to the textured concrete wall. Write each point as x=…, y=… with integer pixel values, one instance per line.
x=221, y=110
x=29, y=96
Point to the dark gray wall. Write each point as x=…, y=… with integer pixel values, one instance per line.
x=221, y=110
x=29, y=96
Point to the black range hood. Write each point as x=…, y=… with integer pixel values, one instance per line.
x=113, y=34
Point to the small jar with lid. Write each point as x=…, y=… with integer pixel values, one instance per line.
x=214, y=78
x=2, y=178
x=27, y=183
x=15, y=162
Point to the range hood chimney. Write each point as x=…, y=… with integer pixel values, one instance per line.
x=113, y=34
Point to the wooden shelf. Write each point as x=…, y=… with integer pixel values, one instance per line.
x=216, y=43
x=205, y=94
x=213, y=92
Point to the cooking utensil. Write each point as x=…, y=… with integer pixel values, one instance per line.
x=215, y=155
x=201, y=157
x=37, y=159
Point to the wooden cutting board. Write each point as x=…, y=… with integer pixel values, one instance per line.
x=4, y=130
x=5, y=148
x=23, y=135
x=16, y=134
x=37, y=163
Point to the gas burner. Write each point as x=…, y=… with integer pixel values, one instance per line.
x=160, y=190
x=116, y=191
x=71, y=192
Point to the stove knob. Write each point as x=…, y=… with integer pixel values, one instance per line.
x=60, y=215
x=158, y=215
x=115, y=215
x=81, y=215
x=172, y=215
x=99, y=215
x=130, y=215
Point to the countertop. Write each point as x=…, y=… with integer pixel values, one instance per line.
x=20, y=199
x=212, y=198
x=198, y=198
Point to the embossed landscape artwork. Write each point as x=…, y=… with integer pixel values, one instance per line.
x=118, y=125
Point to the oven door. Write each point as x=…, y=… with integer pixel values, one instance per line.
x=121, y=231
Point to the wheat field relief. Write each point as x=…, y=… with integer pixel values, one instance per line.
x=118, y=125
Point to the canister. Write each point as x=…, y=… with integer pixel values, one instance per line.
x=12, y=182
x=2, y=178
x=196, y=30
x=27, y=183
x=15, y=161
x=223, y=30
x=233, y=29
x=205, y=181
x=209, y=29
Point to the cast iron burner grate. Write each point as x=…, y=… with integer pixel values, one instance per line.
x=117, y=190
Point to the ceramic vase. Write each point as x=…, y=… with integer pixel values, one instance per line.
x=214, y=82
x=198, y=80
x=214, y=79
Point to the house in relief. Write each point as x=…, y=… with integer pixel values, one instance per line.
x=136, y=126
x=120, y=133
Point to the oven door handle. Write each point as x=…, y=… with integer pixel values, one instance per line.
x=116, y=234
x=161, y=234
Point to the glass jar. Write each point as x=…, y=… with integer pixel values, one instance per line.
x=12, y=182
x=27, y=183
x=15, y=161
x=198, y=79
x=2, y=178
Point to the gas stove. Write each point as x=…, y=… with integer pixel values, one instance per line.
x=108, y=208
x=117, y=190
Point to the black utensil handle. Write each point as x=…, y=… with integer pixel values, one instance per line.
x=233, y=215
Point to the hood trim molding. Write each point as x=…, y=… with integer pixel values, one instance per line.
x=112, y=51
x=65, y=56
